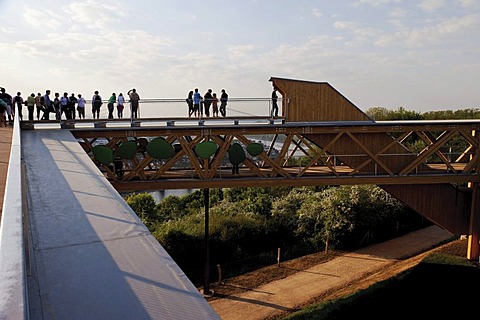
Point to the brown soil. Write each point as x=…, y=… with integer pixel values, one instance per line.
x=252, y=280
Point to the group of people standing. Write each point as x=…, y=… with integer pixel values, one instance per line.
x=133, y=96
x=64, y=106
x=199, y=105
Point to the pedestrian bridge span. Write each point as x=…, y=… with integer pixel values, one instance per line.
x=82, y=238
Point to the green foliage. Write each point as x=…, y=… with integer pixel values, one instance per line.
x=284, y=220
x=171, y=207
x=248, y=224
x=143, y=204
x=447, y=259
x=194, y=201
x=383, y=114
x=452, y=115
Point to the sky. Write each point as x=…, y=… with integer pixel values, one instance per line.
x=420, y=55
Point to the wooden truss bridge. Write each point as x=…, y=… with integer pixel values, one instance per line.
x=320, y=139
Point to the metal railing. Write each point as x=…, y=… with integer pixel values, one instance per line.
x=165, y=108
x=13, y=271
x=168, y=112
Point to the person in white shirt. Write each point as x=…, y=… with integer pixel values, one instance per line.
x=120, y=105
x=81, y=107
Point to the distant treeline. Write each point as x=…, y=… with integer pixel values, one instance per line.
x=384, y=114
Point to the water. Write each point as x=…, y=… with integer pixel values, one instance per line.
x=162, y=194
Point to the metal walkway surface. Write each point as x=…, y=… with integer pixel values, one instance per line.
x=90, y=257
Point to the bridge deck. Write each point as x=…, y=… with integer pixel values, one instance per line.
x=90, y=256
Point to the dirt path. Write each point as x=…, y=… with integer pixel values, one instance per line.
x=291, y=293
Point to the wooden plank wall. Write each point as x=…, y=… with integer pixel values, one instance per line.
x=442, y=204
x=315, y=101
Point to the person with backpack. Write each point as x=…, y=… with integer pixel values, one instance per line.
x=96, y=104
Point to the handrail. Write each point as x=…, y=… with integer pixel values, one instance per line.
x=13, y=284
x=176, y=107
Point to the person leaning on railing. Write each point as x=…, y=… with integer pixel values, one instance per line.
x=134, y=105
x=223, y=103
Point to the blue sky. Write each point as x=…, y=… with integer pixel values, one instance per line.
x=421, y=55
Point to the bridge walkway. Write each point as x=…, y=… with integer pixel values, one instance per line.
x=90, y=257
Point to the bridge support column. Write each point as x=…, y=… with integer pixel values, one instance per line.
x=206, y=285
x=474, y=227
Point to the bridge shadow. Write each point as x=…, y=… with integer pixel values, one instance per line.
x=259, y=302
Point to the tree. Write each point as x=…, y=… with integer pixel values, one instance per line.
x=383, y=114
x=143, y=204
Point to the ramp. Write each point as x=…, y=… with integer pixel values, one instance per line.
x=90, y=256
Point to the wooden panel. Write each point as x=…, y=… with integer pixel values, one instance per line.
x=315, y=101
x=443, y=204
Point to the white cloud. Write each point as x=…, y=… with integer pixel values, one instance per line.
x=469, y=3
x=398, y=12
x=439, y=34
x=92, y=15
x=432, y=5
x=317, y=12
x=376, y=3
